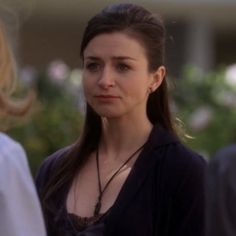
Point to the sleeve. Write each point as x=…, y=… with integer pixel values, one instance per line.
x=221, y=195
x=20, y=213
x=187, y=214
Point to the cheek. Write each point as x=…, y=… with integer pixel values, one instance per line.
x=140, y=88
x=86, y=89
x=86, y=83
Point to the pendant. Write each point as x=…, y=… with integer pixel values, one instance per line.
x=97, y=208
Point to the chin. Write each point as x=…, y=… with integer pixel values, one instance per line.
x=109, y=114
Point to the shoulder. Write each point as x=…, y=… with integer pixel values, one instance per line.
x=172, y=150
x=223, y=163
x=178, y=157
x=11, y=151
x=184, y=160
x=179, y=154
x=182, y=168
x=225, y=157
x=177, y=160
x=53, y=159
x=47, y=166
x=9, y=145
x=14, y=168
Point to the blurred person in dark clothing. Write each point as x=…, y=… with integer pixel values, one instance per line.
x=221, y=193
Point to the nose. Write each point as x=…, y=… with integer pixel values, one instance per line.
x=106, y=78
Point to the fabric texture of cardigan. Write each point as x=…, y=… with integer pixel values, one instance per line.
x=164, y=194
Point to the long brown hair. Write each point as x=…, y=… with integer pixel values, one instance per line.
x=150, y=31
x=9, y=107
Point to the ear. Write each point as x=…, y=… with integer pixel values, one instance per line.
x=157, y=78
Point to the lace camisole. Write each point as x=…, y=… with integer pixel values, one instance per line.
x=74, y=225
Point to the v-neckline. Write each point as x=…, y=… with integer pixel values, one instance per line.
x=116, y=202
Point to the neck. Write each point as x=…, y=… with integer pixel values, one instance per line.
x=119, y=137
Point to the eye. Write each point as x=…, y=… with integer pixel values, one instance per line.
x=92, y=66
x=122, y=67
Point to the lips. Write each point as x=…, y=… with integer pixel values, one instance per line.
x=106, y=97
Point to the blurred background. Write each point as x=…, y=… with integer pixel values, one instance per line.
x=201, y=62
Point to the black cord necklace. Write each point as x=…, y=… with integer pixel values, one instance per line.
x=101, y=191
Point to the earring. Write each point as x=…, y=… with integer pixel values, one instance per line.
x=150, y=89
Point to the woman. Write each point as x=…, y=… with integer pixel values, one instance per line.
x=20, y=211
x=128, y=174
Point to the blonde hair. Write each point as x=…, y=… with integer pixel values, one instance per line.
x=9, y=107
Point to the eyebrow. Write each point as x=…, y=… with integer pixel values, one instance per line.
x=115, y=58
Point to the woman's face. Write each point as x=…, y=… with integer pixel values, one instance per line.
x=116, y=79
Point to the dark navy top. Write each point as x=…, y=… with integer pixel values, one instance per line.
x=164, y=194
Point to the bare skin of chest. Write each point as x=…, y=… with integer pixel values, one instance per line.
x=84, y=192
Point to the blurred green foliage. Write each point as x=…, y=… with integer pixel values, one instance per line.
x=206, y=103
x=54, y=123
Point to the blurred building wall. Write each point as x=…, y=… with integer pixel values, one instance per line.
x=202, y=33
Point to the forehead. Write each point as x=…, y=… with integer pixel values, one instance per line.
x=116, y=44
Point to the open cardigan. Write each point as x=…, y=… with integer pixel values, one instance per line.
x=163, y=195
